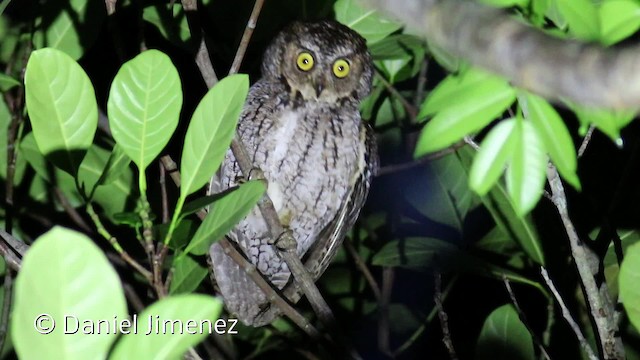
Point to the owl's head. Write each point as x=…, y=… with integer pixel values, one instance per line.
x=322, y=61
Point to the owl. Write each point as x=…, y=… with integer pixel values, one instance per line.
x=301, y=126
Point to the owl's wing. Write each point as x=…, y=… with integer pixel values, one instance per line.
x=330, y=238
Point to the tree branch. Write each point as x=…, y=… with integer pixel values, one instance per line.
x=587, y=74
x=600, y=306
x=566, y=314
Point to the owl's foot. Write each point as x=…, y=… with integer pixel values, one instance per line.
x=286, y=242
x=257, y=174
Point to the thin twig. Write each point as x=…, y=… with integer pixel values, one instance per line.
x=115, y=244
x=17, y=246
x=410, y=109
x=585, y=141
x=566, y=314
x=422, y=82
x=414, y=337
x=163, y=194
x=587, y=262
x=70, y=210
x=246, y=36
x=363, y=268
x=6, y=305
x=523, y=318
x=442, y=315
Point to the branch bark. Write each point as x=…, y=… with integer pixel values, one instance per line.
x=587, y=263
x=586, y=74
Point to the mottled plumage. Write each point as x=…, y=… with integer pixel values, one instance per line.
x=301, y=125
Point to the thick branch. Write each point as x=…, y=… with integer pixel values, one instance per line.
x=587, y=74
x=600, y=306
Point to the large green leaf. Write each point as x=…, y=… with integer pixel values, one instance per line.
x=144, y=106
x=224, y=215
x=618, y=20
x=187, y=275
x=368, y=23
x=70, y=26
x=66, y=284
x=453, y=88
x=554, y=135
x=62, y=107
x=582, y=18
x=504, y=336
x=476, y=108
x=177, y=324
x=490, y=162
x=210, y=132
x=629, y=280
x=527, y=171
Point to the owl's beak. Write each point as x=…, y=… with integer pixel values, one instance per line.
x=318, y=86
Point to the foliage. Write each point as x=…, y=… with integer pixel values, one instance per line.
x=85, y=193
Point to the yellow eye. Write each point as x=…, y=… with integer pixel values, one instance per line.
x=305, y=61
x=341, y=68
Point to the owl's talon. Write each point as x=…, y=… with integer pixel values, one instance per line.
x=256, y=174
x=285, y=241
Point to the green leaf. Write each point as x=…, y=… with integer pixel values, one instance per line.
x=495, y=152
x=7, y=82
x=480, y=105
x=62, y=107
x=117, y=164
x=554, y=135
x=194, y=206
x=210, y=131
x=629, y=280
x=582, y=18
x=224, y=215
x=608, y=121
x=70, y=26
x=191, y=318
x=504, y=336
x=527, y=171
x=144, y=106
x=187, y=275
x=618, y=19
x=453, y=88
x=416, y=253
x=366, y=22
x=67, y=277
x=521, y=229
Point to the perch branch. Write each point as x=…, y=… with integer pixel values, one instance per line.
x=600, y=306
x=558, y=69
